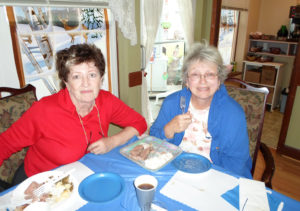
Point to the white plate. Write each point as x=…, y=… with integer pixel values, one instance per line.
x=18, y=193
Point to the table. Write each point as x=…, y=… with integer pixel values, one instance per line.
x=114, y=162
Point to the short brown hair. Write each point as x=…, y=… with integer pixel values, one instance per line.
x=77, y=54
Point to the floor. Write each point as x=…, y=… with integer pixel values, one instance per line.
x=271, y=128
x=286, y=178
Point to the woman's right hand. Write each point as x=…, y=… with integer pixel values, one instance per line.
x=178, y=124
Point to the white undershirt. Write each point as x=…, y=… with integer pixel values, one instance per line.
x=197, y=139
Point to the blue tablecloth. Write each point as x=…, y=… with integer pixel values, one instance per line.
x=116, y=163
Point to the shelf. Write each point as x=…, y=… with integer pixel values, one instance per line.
x=271, y=54
x=274, y=41
x=265, y=74
x=260, y=64
x=287, y=49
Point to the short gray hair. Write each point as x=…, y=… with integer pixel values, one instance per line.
x=204, y=52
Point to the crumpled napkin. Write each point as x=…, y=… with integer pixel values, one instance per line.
x=232, y=196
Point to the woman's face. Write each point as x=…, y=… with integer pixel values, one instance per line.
x=203, y=80
x=84, y=82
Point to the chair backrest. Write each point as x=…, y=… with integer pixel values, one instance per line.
x=253, y=100
x=11, y=109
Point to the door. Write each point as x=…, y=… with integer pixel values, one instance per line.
x=289, y=139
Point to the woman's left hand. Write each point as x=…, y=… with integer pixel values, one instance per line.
x=101, y=146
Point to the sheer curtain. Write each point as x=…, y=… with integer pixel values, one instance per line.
x=124, y=14
x=187, y=20
x=150, y=18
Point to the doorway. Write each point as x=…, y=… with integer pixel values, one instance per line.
x=164, y=69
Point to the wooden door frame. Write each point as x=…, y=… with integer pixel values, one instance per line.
x=15, y=45
x=295, y=81
x=215, y=22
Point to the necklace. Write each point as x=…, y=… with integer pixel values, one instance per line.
x=84, y=131
x=100, y=132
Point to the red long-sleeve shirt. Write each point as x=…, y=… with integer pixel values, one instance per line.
x=52, y=130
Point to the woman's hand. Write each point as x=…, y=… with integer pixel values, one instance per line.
x=106, y=144
x=178, y=124
x=101, y=146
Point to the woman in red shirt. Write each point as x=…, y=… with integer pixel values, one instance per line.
x=61, y=128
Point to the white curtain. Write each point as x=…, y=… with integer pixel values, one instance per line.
x=187, y=20
x=124, y=14
x=150, y=18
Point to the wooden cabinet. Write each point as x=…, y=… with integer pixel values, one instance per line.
x=272, y=48
x=267, y=74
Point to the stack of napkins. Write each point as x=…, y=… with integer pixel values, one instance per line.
x=253, y=195
x=201, y=191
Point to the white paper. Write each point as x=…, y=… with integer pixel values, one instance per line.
x=253, y=196
x=201, y=191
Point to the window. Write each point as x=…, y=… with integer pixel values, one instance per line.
x=228, y=34
x=42, y=31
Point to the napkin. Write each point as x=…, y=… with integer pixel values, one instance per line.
x=253, y=195
x=204, y=189
x=80, y=173
x=232, y=196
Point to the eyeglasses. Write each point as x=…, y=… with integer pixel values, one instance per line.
x=207, y=76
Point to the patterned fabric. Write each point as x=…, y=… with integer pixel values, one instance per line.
x=253, y=105
x=11, y=109
x=197, y=138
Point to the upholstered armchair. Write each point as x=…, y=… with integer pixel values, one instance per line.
x=11, y=109
x=253, y=101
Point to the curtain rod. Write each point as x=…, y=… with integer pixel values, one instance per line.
x=234, y=8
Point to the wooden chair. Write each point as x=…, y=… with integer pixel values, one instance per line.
x=253, y=101
x=11, y=109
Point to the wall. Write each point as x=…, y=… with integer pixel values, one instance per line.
x=293, y=134
x=202, y=20
x=273, y=14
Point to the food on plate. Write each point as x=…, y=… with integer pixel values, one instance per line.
x=155, y=161
x=141, y=151
x=151, y=153
x=30, y=195
x=61, y=190
x=151, y=156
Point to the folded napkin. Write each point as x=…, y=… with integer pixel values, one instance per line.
x=232, y=196
x=200, y=191
x=253, y=195
x=80, y=173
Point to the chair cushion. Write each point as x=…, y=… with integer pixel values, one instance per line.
x=253, y=105
x=11, y=109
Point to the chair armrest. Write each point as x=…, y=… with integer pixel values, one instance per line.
x=270, y=165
